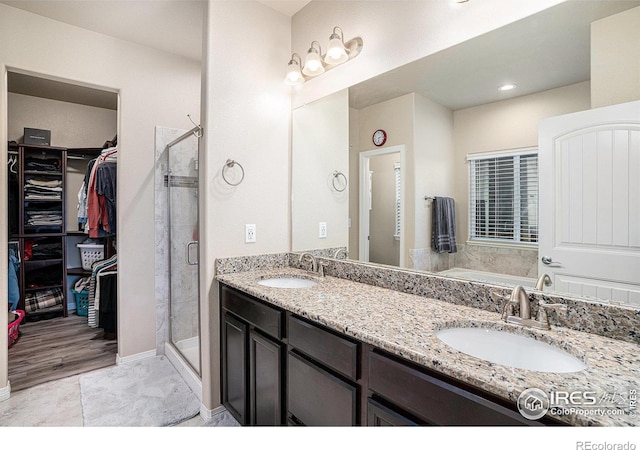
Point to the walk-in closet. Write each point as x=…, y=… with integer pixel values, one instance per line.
x=62, y=165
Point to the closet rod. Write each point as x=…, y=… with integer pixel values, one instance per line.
x=197, y=131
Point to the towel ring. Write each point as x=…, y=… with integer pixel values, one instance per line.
x=337, y=174
x=230, y=163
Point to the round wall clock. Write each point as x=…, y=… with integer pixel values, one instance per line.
x=379, y=137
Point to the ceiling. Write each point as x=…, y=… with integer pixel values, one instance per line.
x=540, y=52
x=173, y=26
x=543, y=51
x=19, y=83
x=288, y=7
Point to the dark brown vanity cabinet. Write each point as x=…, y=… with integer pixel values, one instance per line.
x=404, y=394
x=278, y=368
x=252, y=359
x=322, y=369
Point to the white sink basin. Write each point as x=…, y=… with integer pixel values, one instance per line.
x=510, y=350
x=287, y=282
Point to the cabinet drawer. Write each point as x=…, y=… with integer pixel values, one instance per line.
x=336, y=352
x=432, y=399
x=258, y=314
x=317, y=398
x=379, y=415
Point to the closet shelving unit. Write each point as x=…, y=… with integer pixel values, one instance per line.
x=49, y=271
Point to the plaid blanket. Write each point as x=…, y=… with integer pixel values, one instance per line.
x=34, y=301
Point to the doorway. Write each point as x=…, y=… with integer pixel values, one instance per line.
x=57, y=338
x=382, y=205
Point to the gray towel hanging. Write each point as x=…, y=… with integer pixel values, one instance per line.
x=443, y=229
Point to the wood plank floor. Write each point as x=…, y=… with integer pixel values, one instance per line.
x=57, y=348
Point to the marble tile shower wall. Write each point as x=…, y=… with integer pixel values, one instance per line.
x=184, y=218
x=520, y=262
x=612, y=321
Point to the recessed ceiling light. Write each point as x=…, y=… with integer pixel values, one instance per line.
x=507, y=87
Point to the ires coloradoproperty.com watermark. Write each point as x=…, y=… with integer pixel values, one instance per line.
x=534, y=403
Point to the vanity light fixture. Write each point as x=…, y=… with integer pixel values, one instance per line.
x=294, y=76
x=336, y=53
x=315, y=63
x=507, y=87
x=312, y=63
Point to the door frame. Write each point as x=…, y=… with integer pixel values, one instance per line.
x=363, y=209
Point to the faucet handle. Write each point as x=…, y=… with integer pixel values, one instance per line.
x=542, y=310
x=321, y=267
x=499, y=296
x=544, y=304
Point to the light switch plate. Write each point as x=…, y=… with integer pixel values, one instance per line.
x=322, y=230
x=249, y=233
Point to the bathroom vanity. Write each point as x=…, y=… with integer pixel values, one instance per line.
x=280, y=368
x=340, y=352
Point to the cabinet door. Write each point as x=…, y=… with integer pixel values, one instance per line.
x=265, y=380
x=234, y=364
x=317, y=398
x=379, y=415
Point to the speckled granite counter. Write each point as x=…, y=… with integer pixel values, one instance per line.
x=405, y=325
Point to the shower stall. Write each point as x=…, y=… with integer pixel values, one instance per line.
x=177, y=265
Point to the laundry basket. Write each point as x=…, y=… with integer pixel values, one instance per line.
x=82, y=302
x=15, y=325
x=90, y=253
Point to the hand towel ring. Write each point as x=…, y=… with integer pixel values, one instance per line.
x=230, y=163
x=336, y=175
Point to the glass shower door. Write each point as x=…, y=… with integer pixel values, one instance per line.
x=182, y=181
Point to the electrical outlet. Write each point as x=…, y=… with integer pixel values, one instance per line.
x=322, y=232
x=249, y=233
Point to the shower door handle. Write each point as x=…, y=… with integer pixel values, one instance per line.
x=189, y=244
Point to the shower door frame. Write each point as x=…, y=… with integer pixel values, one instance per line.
x=197, y=132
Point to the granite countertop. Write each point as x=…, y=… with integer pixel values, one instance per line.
x=405, y=325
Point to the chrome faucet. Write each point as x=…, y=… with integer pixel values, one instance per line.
x=340, y=251
x=314, y=261
x=520, y=297
x=544, y=280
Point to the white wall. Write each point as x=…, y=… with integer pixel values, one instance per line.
x=394, y=33
x=247, y=118
x=506, y=125
x=433, y=164
x=395, y=116
x=155, y=88
x=320, y=135
x=71, y=124
x=615, y=59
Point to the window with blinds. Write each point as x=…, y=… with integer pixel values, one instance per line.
x=396, y=168
x=504, y=196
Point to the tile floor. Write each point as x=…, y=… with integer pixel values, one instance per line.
x=52, y=404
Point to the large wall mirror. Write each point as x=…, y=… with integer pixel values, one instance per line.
x=450, y=133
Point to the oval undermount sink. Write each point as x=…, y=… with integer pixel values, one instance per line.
x=287, y=282
x=510, y=350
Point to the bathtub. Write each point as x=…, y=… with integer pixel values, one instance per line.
x=489, y=277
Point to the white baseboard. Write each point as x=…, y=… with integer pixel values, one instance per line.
x=133, y=358
x=5, y=392
x=188, y=375
x=207, y=414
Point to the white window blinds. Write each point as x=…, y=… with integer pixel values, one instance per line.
x=504, y=196
x=396, y=168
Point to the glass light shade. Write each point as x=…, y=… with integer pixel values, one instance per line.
x=313, y=64
x=336, y=53
x=294, y=76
